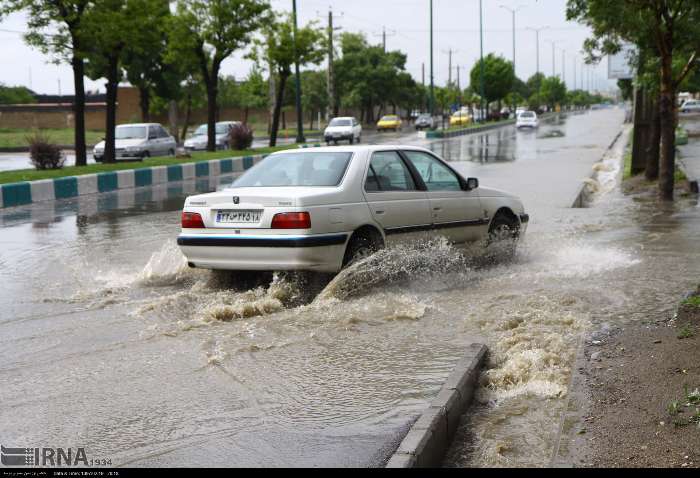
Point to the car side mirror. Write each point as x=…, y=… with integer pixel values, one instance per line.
x=472, y=183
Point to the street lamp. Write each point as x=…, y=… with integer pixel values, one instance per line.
x=481, y=74
x=432, y=72
x=300, y=116
x=537, y=36
x=554, y=60
x=513, y=11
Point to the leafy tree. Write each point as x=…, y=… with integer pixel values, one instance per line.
x=213, y=31
x=13, y=95
x=626, y=88
x=498, y=77
x=144, y=60
x=666, y=29
x=64, y=19
x=534, y=83
x=314, y=96
x=279, y=48
x=553, y=91
x=367, y=77
x=106, y=29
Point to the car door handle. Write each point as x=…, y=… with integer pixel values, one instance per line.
x=379, y=212
x=437, y=209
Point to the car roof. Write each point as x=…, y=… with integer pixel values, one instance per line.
x=343, y=117
x=356, y=149
x=138, y=124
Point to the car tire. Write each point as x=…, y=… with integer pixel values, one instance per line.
x=145, y=155
x=171, y=153
x=359, y=139
x=352, y=140
x=361, y=246
x=503, y=238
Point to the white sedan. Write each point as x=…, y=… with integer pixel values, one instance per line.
x=527, y=119
x=323, y=209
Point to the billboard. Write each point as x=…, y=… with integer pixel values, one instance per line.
x=620, y=64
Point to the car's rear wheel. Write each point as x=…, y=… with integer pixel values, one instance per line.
x=352, y=140
x=361, y=246
x=503, y=237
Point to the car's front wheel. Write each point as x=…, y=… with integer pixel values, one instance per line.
x=503, y=237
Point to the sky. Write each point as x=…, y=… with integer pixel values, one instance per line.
x=456, y=25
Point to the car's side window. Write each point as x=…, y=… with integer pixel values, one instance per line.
x=435, y=175
x=387, y=172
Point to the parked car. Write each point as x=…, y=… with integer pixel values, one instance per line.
x=198, y=140
x=691, y=106
x=425, y=121
x=138, y=141
x=527, y=119
x=324, y=209
x=389, y=123
x=346, y=128
x=460, y=118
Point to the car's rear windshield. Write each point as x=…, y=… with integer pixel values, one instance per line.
x=340, y=122
x=130, y=132
x=297, y=169
x=527, y=114
x=389, y=118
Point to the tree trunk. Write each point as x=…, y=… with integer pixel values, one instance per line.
x=651, y=171
x=188, y=114
x=284, y=120
x=246, y=113
x=145, y=103
x=111, y=116
x=212, y=83
x=668, y=131
x=277, y=110
x=79, y=108
x=641, y=141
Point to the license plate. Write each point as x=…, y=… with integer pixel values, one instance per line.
x=238, y=217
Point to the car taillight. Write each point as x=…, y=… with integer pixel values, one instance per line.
x=292, y=220
x=192, y=220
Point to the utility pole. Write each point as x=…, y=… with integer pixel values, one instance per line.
x=449, y=75
x=481, y=42
x=422, y=72
x=300, y=113
x=432, y=72
x=384, y=34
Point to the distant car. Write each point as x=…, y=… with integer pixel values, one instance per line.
x=345, y=128
x=198, y=140
x=425, y=121
x=460, y=118
x=324, y=209
x=691, y=106
x=527, y=119
x=389, y=123
x=138, y=141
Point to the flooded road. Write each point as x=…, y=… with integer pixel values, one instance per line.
x=108, y=340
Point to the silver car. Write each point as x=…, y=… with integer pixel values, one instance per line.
x=323, y=209
x=138, y=141
x=198, y=140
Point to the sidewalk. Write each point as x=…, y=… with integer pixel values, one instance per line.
x=689, y=162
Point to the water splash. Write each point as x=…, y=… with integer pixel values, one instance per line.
x=393, y=265
x=168, y=266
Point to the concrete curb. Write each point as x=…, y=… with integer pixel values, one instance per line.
x=18, y=194
x=579, y=198
x=693, y=182
x=427, y=441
